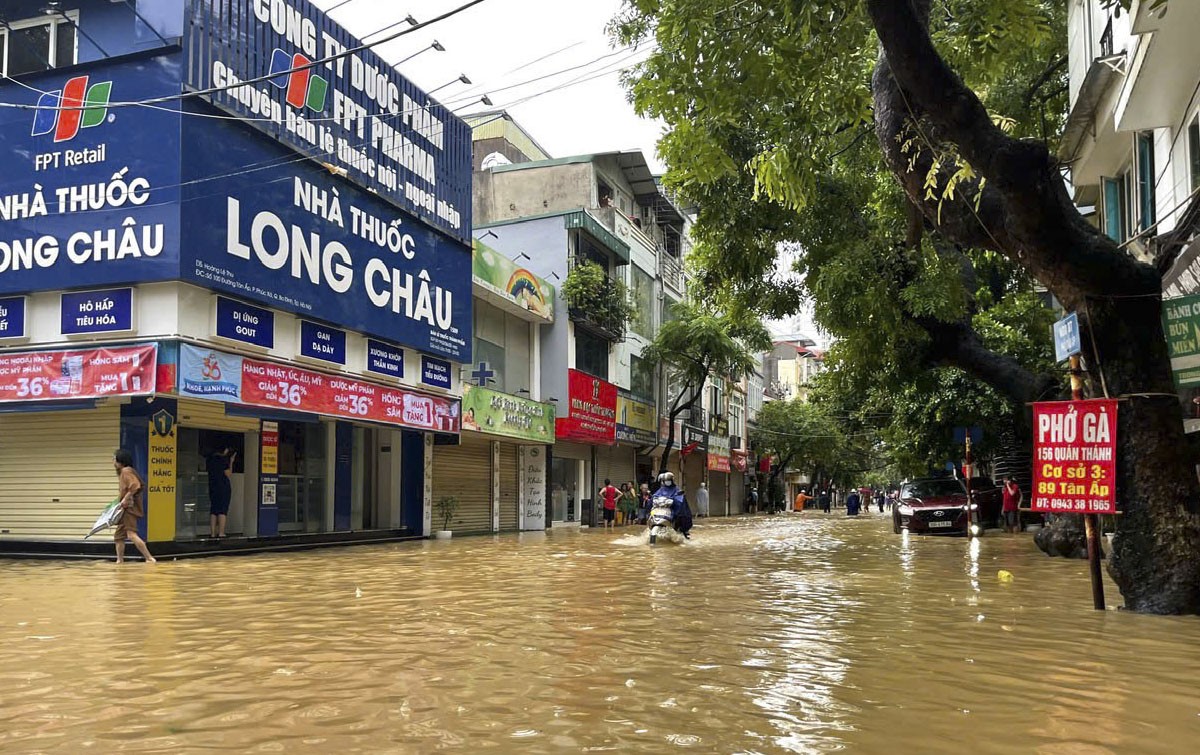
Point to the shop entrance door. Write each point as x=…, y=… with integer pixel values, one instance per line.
x=303, y=470
x=192, y=505
x=564, y=489
x=372, y=484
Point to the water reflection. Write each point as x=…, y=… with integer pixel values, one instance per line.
x=807, y=633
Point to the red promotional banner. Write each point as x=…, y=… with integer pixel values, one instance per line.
x=740, y=461
x=1074, y=457
x=593, y=410
x=717, y=463
x=80, y=374
x=278, y=386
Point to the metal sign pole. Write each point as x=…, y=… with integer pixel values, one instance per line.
x=1090, y=521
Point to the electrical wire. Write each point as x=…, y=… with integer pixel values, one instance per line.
x=265, y=77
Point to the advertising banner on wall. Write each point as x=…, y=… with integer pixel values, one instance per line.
x=532, y=483
x=84, y=200
x=206, y=373
x=488, y=411
x=593, y=410
x=501, y=276
x=356, y=113
x=637, y=421
x=1075, y=457
x=1181, y=324
x=718, y=453
x=294, y=237
x=77, y=374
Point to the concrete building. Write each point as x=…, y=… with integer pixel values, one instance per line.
x=1132, y=139
x=244, y=269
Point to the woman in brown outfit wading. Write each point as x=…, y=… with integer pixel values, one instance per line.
x=130, y=492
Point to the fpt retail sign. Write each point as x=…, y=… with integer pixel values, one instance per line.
x=293, y=237
x=356, y=112
x=1074, y=457
x=84, y=199
x=206, y=373
x=593, y=410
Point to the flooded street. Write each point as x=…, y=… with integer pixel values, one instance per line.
x=802, y=634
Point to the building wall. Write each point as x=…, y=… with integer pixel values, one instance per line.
x=504, y=194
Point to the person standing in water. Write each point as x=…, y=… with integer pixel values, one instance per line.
x=130, y=488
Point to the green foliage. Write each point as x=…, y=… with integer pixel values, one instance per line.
x=447, y=507
x=596, y=296
x=801, y=435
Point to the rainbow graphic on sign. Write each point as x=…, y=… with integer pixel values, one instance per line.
x=524, y=284
x=498, y=273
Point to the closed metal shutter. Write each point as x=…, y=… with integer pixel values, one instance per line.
x=56, y=472
x=737, y=493
x=510, y=500
x=211, y=416
x=616, y=464
x=465, y=472
x=718, y=483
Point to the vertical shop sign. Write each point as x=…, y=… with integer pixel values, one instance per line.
x=270, y=448
x=161, y=474
x=532, y=484
x=1074, y=457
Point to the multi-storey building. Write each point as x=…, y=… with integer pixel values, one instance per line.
x=1132, y=138
x=281, y=265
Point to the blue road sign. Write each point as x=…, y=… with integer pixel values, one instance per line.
x=1066, y=338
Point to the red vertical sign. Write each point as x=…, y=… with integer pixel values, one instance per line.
x=593, y=410
x=1075, y=457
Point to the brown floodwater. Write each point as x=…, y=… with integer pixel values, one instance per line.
x=802, y=633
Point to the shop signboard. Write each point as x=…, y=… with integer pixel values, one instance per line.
x=592, y=410
x=12, y=318
x=385, y=359
x=292, y=237
x=435, y=372
x=245, y=323
x=321, y=342
x=739, y=460
x=498, y=274
x=356, y=113
x=84, y=199
x=78, y=374
x=1181, y=324
x=699, y=437
x=1074, y=457
x=269, y=441
x=161, y=474
x=488, y=411
x=275, y=386
x=86, y=312
x=532, y=483
x=718, y=453
x=637, y=421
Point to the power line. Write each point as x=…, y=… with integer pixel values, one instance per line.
x=265, y=77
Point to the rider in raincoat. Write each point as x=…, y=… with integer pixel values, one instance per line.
x=680, y=512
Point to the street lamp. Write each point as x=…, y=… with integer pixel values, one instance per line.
x=407, y=20
x=435, y=46
x=461, y=77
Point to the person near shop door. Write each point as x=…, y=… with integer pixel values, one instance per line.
x=220, y=491
x=129, y=493
x=609, y=495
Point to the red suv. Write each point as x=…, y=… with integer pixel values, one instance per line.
x=939, y=506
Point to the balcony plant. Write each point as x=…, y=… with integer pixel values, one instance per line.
x=598, y=299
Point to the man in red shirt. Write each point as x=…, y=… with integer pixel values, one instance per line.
x=609, y=495
x=1012, y=505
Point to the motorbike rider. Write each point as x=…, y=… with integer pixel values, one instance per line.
x=680, y=512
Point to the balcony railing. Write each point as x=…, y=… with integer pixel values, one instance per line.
x=1106, y=39
x=670, y=269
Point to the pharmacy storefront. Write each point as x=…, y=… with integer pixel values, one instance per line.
x=293, y=290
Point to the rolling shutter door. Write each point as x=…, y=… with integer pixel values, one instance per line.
x=509, y=497
x=56, y=472
x=737, y=493
x=211, y=416
x=616, y=464
x=718, y=484
x=465, y=472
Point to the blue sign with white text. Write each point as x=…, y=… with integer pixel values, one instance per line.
x=90, y=196
x=238, y=321
x=435, y=372
x=1066, y=338
x=356, y=113
x=12, y=318
x=211, y=374
x=290, y=236
x=109, y=311
x=384, y=359
x=321, y=342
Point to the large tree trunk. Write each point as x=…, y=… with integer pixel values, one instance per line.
x=1026, y=214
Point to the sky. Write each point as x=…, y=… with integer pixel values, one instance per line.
x=502, y=44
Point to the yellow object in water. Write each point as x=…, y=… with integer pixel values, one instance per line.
x=1004, y=576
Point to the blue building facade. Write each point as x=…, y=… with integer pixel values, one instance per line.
x=224, y=225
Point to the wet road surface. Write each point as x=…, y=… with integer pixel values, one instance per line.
x=799, y=633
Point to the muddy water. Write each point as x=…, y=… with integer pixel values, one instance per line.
x=796, y=634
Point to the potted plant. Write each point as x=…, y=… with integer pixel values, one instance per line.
x=447, y=507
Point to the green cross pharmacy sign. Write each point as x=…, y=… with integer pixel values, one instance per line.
x=1181, y=324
